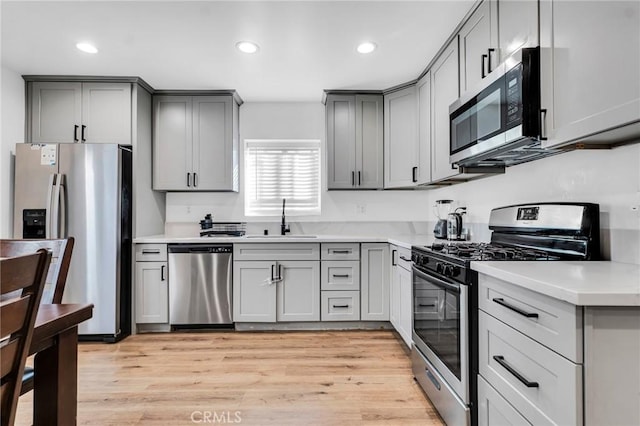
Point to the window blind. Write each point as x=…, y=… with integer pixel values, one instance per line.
x=277, y=169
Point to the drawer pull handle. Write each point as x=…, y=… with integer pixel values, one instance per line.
x=162, y=278
x=340, y=251
x=432, y=378
x=340, y=306
x=405, y=259
x=422, y=305
x=500, y=360
x=501, y=302
x=340, y=275
x=150, y=251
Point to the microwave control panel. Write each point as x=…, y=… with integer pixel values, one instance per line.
x=513, y=81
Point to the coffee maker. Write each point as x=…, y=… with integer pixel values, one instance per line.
x=442, y=208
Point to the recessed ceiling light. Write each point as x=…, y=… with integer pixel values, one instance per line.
x=366, y=47
x=247, y=46
x=87, y=47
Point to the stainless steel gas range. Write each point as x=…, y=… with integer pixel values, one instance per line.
x=445, y=295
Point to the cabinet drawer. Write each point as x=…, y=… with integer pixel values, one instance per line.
x=276, y=251
x=340, y=251
x=401, y=256
x=340, y=305
x=493, y=409
x=340, y=275
x=554, y=323
x=543, y=386
x=151, y=252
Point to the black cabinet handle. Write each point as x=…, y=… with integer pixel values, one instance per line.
x=500, y=360
x=489, y=52
x=484, y=59
x=188, y=179
x=340, y=251
x=340, y=306
x=340, y=275
x=359, y=180
x=272, y=271
x=75, y=133
x=405, y=259
x=353, y=178
x=195, y=179
x=422, y=305
x=500, y=301
x=414, y=174
x=82, y=133
x=393, y=257
x=148, y=251
x=280, y=272
x=162, y=272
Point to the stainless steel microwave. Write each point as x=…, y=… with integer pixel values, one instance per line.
x=499, y=123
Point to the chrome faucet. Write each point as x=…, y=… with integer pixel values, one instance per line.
x=284, y=228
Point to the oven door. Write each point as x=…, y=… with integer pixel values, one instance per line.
x=441, y=328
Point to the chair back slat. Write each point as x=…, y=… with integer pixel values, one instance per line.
x=12, y=315
x=27, y=274
x=61, y=250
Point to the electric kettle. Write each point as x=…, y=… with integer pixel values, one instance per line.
x=454, y=224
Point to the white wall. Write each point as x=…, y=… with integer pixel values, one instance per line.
x=12, y=109
x=266, y=120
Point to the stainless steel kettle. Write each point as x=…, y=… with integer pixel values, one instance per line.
x=454, y=224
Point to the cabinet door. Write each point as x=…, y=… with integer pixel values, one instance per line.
x=400, y=155
x=493, y=409
x=369, y=141
x=341, y=141
x=152, y=293
x=444, y=91
x=394, y=296
x=406, y=308
x=518, y=26
x=172, y=143
x=423, y=89
x=298, y=291
x=375, y=276
x=56, y=112
x=590, y=67
x=106, y=113
x=213, y=161
x=254, y=292
x=477, y=36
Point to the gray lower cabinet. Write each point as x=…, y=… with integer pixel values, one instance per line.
x=151, y=284
x=276, y=282
x=374, y=274
x=79, y=112
x=340, y=305
x=400, y=293
x=545, y=361
x=354, y=141
x=195, y=143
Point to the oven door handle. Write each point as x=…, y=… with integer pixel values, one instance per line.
x=436, y=281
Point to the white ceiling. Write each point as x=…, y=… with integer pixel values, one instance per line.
x=305, y=46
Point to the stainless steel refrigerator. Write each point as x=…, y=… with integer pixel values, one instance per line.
x=84, y=191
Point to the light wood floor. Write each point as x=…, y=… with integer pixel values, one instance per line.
x=302, y=378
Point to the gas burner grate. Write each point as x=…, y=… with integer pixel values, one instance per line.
x=488, y=251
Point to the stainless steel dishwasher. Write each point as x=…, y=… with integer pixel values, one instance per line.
x=200, y=284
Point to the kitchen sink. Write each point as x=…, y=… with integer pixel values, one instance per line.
x=281, y=236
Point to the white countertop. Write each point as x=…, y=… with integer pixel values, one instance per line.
x=400, y=240
x=581, y=283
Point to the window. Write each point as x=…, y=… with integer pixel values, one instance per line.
x=277, y=169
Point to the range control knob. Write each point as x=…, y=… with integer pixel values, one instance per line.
x=448, y=271
x=455, y=271
x=414, y=258
x=424, y=260
x=439, y=267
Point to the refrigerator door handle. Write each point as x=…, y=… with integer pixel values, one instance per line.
x=49, y=206
x=55, y=208
x=63, y=208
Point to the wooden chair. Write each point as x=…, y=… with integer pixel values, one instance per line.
x=61, y=251
x=60, y=260
x=22, y=282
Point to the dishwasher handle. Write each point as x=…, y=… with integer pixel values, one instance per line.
x=200, y=248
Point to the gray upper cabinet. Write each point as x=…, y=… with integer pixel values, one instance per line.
x=70, y=112
x=590, y=70
x=444, y=91
x=423, y=98
x=478, y=45
x=517, y=26
x=354, y=141
x=195, y=143
x=400, y=148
